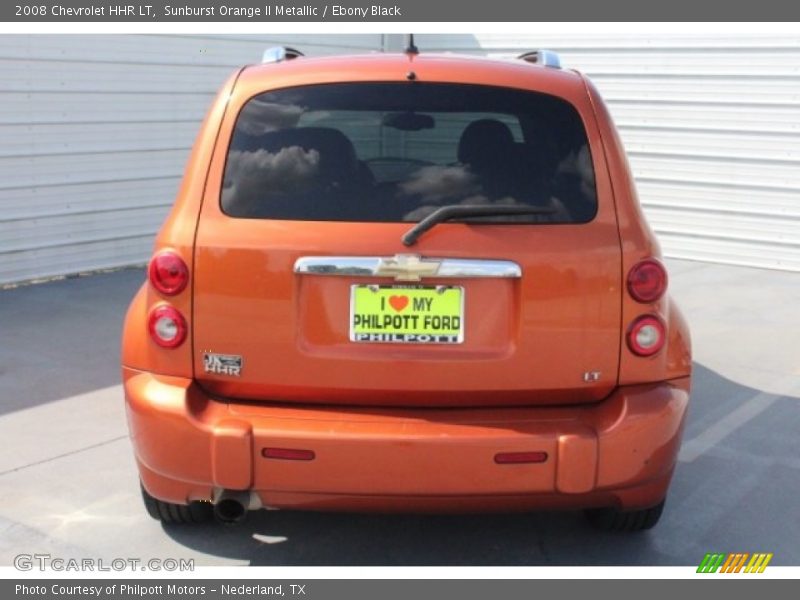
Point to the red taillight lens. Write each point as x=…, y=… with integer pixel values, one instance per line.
x=167, y=326
x=168, y=273
x=647, y=335
x=647, y=281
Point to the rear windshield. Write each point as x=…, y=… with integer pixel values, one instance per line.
x=391, y=152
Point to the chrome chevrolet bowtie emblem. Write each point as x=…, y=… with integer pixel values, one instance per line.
x=407, y=267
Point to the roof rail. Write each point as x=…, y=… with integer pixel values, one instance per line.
x=546, y=58
x=280, y=53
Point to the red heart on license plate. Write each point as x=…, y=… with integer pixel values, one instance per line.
x=398, y=302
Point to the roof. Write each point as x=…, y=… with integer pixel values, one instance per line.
x=450, y=68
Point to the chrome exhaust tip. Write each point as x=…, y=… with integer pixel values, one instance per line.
x=231, y=507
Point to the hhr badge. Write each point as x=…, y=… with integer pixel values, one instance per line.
x=222, y=364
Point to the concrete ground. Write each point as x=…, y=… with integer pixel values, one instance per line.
x=69, y=485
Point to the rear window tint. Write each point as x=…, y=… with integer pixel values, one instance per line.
x=392, y=152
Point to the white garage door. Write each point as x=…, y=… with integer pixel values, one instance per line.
x=712, y=127
x=94, y=134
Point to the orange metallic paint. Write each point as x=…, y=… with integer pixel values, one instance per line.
x=613, y=443
x=530, y=341
x=638, y=242
x=177, y=234
x=190, y=444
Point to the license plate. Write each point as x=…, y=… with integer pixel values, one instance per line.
x=407, y=314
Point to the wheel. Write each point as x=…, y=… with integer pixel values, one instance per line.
x=611, y=519
x=166, y=512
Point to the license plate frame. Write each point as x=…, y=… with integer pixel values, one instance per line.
x=367, y=332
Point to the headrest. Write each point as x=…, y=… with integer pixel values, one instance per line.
x=484, y=139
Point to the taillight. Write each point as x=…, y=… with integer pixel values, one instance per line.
x=168, y=273
x=647, y=335
x=647, y=281
x=167, y=326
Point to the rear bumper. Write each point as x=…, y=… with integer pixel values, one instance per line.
x=620, y=452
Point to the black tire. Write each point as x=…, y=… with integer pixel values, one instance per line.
x=611, y=519
x=166, y=512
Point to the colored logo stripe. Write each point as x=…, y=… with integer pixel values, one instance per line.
x=758, y=563
x=734, y=562
x=710, y=563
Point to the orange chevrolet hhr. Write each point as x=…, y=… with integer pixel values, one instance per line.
x=406, y=283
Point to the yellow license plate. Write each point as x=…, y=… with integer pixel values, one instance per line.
x=407, y=315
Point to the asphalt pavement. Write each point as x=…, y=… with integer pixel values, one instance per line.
x=69, y=484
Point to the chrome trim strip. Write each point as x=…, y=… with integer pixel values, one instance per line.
x=407, y=267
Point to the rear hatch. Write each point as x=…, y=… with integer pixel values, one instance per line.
x=305, y=292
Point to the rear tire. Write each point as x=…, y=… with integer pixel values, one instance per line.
x=612, y=519
x=181, y=514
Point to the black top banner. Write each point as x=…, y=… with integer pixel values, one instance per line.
x=266, y=11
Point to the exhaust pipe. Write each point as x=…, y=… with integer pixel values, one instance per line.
x=231, y=506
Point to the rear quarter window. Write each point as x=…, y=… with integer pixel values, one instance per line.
x=395, y=152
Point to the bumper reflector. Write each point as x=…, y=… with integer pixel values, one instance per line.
x=512, y=458
x=288, y=454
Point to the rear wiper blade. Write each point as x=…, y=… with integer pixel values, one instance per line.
x=446, y=213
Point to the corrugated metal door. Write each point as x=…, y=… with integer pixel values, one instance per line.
x=94, y=134
x=711, y=124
